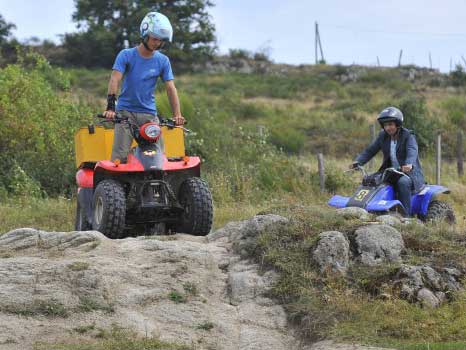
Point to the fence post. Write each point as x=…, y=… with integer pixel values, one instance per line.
x=439, y=159
x=261, y=130
x=372, y=133
x=459, y=152
x=320, y=161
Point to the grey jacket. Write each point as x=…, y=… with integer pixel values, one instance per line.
x=406, y=153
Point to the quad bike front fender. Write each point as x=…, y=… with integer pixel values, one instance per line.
x=338, y=201
x=85, y=178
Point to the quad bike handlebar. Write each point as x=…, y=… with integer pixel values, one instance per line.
x=357, y=167
x=168, y=122
x=389, y=175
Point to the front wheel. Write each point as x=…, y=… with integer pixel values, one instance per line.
x=440, y=211
x=109, y=209
x=195, y=198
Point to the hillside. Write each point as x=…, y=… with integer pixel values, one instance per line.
x=257, y=129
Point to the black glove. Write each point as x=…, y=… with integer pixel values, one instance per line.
x=355, y=165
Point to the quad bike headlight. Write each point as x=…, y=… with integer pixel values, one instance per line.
x=150, y=132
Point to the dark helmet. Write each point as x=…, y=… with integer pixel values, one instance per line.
x=390, y=114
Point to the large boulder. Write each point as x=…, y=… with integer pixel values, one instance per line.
x=179, y=287
x=377, y=244
x=332, y=252
x=243, y=234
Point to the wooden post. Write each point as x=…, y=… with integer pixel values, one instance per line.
x=320, y=46
x=261, y=130
x=378, y=61
x=439, y=159
x=399, y=59
x=315, y=42
x=372, y=133
x=459, y=152
x=320, y=161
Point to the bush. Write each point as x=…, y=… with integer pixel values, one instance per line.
x=455, y=108
x=37, y=123
x=288, y=139
x=458, y=76
x=417, y=118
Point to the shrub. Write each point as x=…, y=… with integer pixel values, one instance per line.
x=458, y=76
x=37, y=123
x=417, y=118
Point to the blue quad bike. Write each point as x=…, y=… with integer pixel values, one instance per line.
x=377, y=195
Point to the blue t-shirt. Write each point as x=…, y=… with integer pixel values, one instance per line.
x=139, y=79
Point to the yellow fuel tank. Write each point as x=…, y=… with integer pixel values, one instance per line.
x=96, y=146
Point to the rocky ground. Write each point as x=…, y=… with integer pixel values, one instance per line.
x=57, y=286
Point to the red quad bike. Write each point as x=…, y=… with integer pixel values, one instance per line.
x=150, y=193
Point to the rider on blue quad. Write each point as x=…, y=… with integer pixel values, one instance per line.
x=400, y=151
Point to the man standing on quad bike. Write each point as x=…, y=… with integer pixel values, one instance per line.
x=140, y=67
x=400, y=151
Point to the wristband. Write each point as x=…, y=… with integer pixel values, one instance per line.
x=111, y=99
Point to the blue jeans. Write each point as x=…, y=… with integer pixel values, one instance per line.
x=403, y=190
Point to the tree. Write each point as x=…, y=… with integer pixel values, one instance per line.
x=5, y=30
x=109, y=25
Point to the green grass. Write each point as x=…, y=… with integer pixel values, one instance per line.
x=114, y=339
x=52, y=214
x=206, y=326
x=49, y=308
x=87, y=304
x=177, y=297
x=364, y=308
x=78, y=266
x=429, y=346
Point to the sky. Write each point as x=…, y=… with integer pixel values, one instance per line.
x=351, y=31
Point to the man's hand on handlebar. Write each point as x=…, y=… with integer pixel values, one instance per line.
x=179, y=120
x=109, y=115
x=354, y=165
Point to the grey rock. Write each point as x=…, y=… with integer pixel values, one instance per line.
x=441, y=296
x=87, y=275
x=332, y=252
x=427, y=298
x=378, y=243
x=29, y=238
x=412, y=279
x=388, y=220
x=432, y=278
x=453, y=272
x=354, y=213
x=243, y=234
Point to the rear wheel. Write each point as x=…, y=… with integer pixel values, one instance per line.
x=195, y=198
x=440, y=211
x=81, y=222
x=109, y=209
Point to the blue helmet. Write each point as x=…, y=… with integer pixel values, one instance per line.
x=157, y=25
